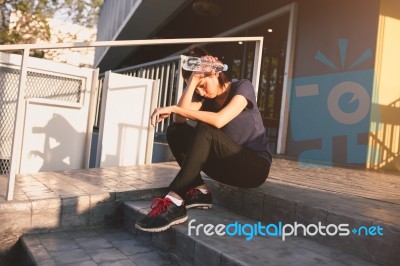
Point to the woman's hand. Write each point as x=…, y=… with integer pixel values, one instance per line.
x=159, y=114
x=195, y=78
x=207, y=69
x=212, y=61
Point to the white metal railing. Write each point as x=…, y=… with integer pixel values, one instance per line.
x=26, y=48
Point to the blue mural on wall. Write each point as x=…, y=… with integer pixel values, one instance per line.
x=334, y=106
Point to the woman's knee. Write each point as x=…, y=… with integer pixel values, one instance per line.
x=204, y=128
x=179, y=134
x=171, y=130
x=176, y=130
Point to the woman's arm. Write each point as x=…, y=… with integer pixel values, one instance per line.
x=186, y=100
x=218, y=119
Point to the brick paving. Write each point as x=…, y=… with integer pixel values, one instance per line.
x=74, y=199
x=372, y=184
x=102, y=246
x=49, y=185
x=376, y=185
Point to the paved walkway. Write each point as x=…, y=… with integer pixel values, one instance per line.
x=381, y=186
x=92, y=181
x=370, y=194
x=370, y=184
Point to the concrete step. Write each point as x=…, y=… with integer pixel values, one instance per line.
x=161, y=152
x=202, y=248
x=377, y=222
x=90, y=246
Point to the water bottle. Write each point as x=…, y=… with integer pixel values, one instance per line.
x=191, y=63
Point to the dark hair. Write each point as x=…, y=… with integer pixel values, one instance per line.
x=197, y=51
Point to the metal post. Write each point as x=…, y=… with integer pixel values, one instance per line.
x=257, y=64
x=287, y=82
x=180, y=83
x=18, y=125
x=151, y=129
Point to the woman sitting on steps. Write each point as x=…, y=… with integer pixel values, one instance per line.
x=228, y=143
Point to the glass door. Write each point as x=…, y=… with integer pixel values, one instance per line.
x=272, y=73
x=240, y=56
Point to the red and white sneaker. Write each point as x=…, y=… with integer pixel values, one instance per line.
x=163, y=215
x=197, y=199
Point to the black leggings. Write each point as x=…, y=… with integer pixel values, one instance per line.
x=208, y=149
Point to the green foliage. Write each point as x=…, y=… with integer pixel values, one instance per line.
x=31, y=16
x=24, y=21
x=84, y=12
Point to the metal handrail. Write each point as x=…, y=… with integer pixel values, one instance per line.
x=40, y=46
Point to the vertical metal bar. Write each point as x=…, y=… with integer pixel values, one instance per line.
x=257, y=65
x=99, y=95
x=150, y=134
x=171, y=84
x=170, y=93
x=160, y=92
x=179, y=84
x=91, y=114
x=166, y=87
x=165, y=91
x=162, y=78
x=158, y=77
x=157, y=74
x=104, y=92
x=18, y=125
x=244, y=60
x=152, y=73
x=287, y=82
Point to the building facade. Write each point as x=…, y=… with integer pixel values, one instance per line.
x=329, y=88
